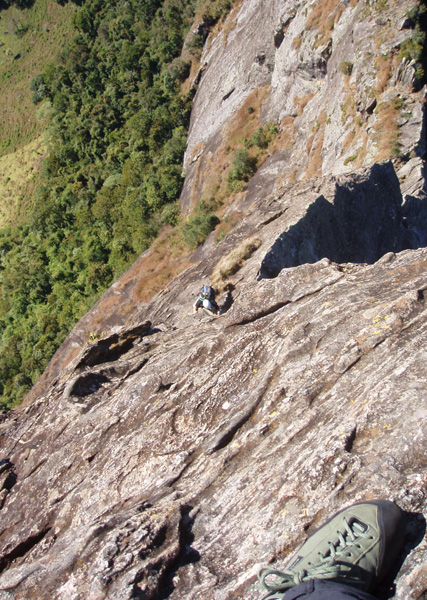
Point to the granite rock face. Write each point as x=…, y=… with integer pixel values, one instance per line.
x=167, y=454
x=332, y=75
x=175, y=457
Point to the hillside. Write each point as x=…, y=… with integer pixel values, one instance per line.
x=27, y=37
x=167, y=454
x=115, y=118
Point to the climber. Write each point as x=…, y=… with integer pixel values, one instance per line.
x=344, y=559
x=206, y=300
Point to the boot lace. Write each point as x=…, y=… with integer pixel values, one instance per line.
x=330, y=565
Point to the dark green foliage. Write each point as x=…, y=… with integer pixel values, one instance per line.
x=264, y=135
x=215, y=11
x=179, y=69
x=346, y=67
x=243, y=167
x=198, y=227
x=39, y=87
x=414, y=48
x=195, y=44
x=113, y=175
x=17, y=3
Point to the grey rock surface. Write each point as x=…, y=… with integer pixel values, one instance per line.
x=167, y=454
x=336, y=76
x=176, y=456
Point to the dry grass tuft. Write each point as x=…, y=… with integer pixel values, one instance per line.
x=349, y=139
x=314, y=147
x=233, y=262
x=302, y=101
x=210, y=181
x=387, y=131
x=383, y=65
x=297, y=41
x=323, y=17
x=286, y=136
x=227, y=224
x=166, y=259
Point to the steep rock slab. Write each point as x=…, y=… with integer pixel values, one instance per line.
x=360, y=219
x=332, y=77
x=176, y=457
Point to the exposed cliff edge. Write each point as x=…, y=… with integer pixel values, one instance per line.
x=174, y=454
x=174, y=458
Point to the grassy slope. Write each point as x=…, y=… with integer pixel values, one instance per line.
x=35, y=35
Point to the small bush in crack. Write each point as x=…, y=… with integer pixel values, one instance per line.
x=243, y=167
x=198, y=226
x=346, y=67
x=263, y=136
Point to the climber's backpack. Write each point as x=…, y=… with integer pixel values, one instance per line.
x=206, y=292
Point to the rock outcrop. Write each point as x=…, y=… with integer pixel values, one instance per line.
x=177, y=456
x=332, y=75
x=167, y=454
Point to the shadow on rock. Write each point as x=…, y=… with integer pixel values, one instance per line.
x=414, y=535
x=227, y=304
x=364, y=220
x=187, y=555
x=85, y=385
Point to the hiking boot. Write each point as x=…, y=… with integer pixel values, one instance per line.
x=357, y=546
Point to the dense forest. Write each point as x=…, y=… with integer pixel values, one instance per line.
x=116, y=120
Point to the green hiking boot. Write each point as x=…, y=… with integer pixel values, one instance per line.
x=357, y=546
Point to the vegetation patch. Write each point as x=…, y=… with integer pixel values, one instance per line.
x=167, y=259
x=19, y=179
x=415, y=48
x=315, y=146
x=350, y=159
x=387, y=129
x=323, y=17
x=227, y=224
x=242, y=168
x=117, y=121
x=196, y=228
x=233, y=262
x=346, y=68
x=244, y=147
x=383, y=65
x=28, y=38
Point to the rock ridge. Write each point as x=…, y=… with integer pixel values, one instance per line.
x=175, y=456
